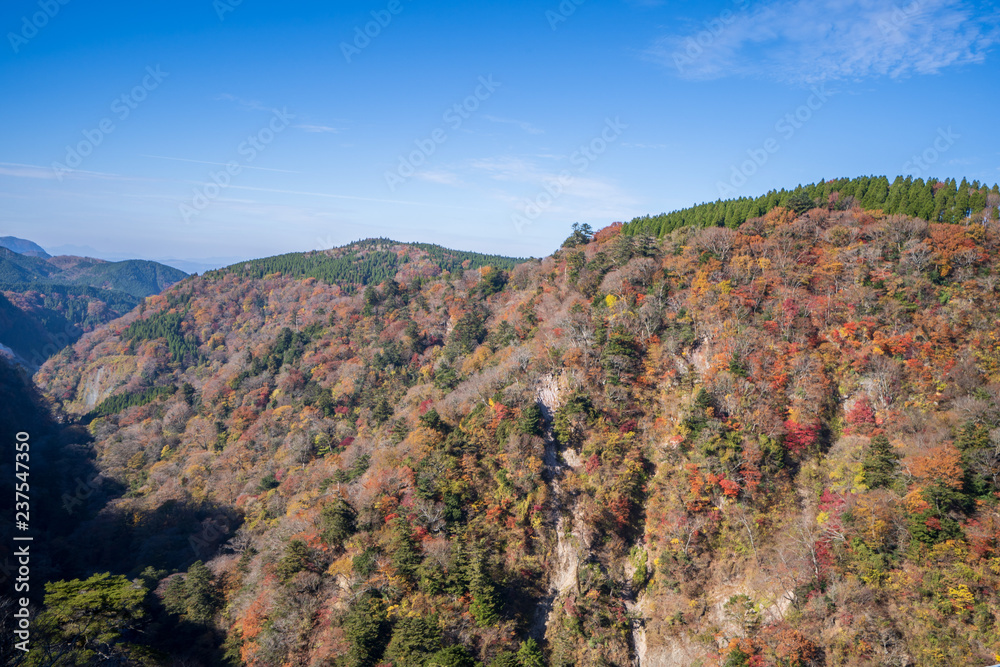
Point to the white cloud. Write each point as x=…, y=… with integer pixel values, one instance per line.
x=807, y=41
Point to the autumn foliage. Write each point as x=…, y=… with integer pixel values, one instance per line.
x=797, y=415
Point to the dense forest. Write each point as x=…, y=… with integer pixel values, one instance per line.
x=691, y=439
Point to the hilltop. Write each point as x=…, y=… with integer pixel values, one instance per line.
x=369, y=262
x=771, y=442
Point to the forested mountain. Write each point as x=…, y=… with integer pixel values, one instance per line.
x=23, y=246
x=770, y=443
x=61, y=298
x=368, y=262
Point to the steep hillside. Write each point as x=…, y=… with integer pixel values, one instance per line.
x=776, y=444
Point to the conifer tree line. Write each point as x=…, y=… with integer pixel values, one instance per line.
x=932, y=200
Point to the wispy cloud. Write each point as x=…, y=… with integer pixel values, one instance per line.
x=807, y=41
x=645, y=146
x=507, y=168
x=527, y=127
x=217, y=164
x=581, y=195
x=26, y=171
x=440, y=177
x=253, y=105
x=329, y=195
x=17, y=170
x=318, y=129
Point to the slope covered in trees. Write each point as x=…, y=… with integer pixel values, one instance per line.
x=932, y=200
x=775, y=444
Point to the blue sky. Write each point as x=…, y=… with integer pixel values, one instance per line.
x=234, y=129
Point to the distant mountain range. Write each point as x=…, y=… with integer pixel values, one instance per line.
x=48, y=302
x=138, y=278
x=188, y=264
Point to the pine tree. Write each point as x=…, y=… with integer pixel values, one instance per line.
x=531, y=420
x=485, y=607
x=337, y=522
x=432, y=420
x=414, y=639
x=879, y=464
x=297, y=557
x=175, y=596
x=367, y=629
x=876, y=194
x=90, y=622
x=530, y=654
x=505, y=659
x=201, y=597
x=403, y=550
x=453, y=656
